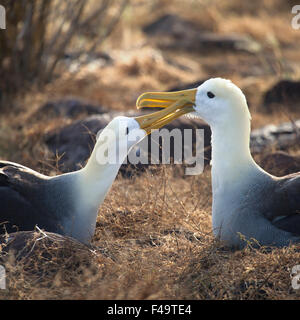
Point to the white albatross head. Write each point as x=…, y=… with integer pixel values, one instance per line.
x=217, y=101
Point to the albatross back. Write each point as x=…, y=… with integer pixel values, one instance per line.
x=24, y=199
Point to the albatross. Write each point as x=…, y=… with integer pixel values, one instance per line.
x=248, y=202
x=68, y=204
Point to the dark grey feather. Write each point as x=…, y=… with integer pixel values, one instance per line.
x=23, y=199
x=286, y=205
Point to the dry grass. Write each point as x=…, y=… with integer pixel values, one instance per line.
x=155, y=229
x=154, y=242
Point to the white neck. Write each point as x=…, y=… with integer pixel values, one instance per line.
x=92, y=183
x=231, y=157
x=96, y=178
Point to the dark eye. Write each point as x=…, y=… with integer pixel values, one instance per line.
x=210, y=95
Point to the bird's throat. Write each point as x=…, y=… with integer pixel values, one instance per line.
x=231, y=156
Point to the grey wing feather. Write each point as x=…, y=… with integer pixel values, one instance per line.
x=11, y=164
x=4, y=181
x=15, y=210
x=287, y=209
x=18, y=186
x=290, y=224
x=292, y=190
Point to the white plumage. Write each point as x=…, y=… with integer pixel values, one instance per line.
x=248, y=202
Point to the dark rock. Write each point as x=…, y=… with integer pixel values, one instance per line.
x=231, y=42
x=75, y=142
x=174, y=32
x=74, y=60
x=186, y=86
x=170, y=25
x=208, y=41
x=283, y=95
x=89, y=57
x=282, y=136
x=68, y=108
x=178, y=65
x=280, y=163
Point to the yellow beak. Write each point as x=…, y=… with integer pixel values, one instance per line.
x=175, y=104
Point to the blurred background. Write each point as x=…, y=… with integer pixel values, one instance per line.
x=63, y=60
x=68, y=67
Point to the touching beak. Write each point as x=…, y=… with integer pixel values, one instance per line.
x=175, y=104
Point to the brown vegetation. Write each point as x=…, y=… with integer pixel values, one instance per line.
x=156, y=228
